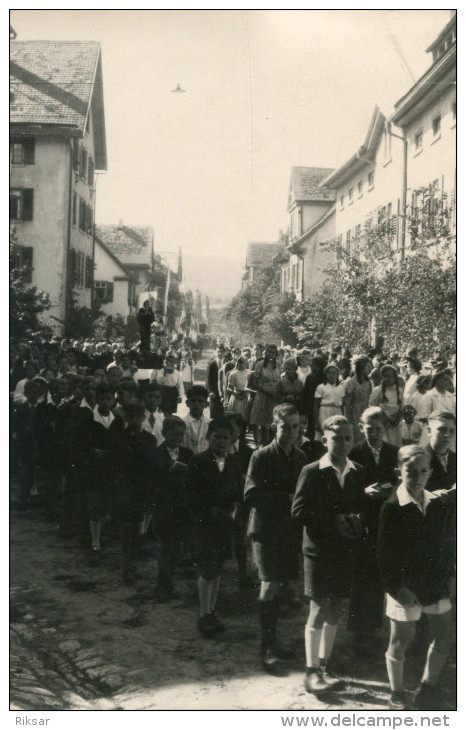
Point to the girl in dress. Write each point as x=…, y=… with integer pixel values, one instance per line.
x=389, y=396
x=264, y=381
x=236, y=389
x=357, y=393
x=328, y=400
x=413, y=370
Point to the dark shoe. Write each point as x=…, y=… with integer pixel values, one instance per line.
x=333, y=683
x=270, y=661
x=94, y=559
x=398, y=701
x=429, y=697
x=162, y=594
x=314, y=682
x=207, y=626
x=218, y=624
x=283, y=653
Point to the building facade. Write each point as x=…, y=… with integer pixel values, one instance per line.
x=259, y=256
x=114, y=285
x=57, y=143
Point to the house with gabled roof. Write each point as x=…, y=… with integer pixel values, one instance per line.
x=259, y=256
x=57, y=144
x=114, y=283
x=311, y=207
x=134, y=248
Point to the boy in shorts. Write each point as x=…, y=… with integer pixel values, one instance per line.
x=411, y=543
x=270, y=482
x=328, y=503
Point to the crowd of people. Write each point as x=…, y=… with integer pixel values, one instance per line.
x=347, y=460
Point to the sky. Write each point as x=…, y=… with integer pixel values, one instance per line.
x=209, y=169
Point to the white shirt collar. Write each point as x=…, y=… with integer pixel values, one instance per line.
x=325, y=462
x=404, y=498
x=85, y=404
x=104, y=420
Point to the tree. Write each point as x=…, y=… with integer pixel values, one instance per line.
x=260, y=312
x=26, y=302
x=368, y=288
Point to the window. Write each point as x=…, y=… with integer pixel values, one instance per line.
x=418, y=141
x=21, y=204
x=436, y=124
x=350, y=195
x=360, y=188
x=83, y=166
x=85, y=217
x=342, y=201
x=22, y=151
x=370, y=179
x=103, y=291
x=23, y=260
x=76, y=156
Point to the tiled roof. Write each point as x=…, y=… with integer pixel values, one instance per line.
x=261, y=254
x=131, y=244
x=51, y=82
x=305, y=184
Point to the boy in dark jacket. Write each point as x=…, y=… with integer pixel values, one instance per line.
x=416, y=572
x=328, y=503
x=170, y=504
x=212, y=484
x=270, y=483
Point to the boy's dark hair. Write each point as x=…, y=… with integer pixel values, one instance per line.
x=197, y=390
x=134, y=408
x=371, y=413
x=54, y=384
x=103, y=389
x=439, y=374
x=415, y=364
x=171, y=422
x=283, y=410
x=407, y=452
x=236, y=418
x=126, y=385
x=31, y=384
x=222, y=422
x=442, y=416
x=332, y=423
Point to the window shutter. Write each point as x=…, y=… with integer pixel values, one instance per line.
x=28, y=196
x=91, y=171
x=75, y=201
x=29, y=151
x=89, y=267
x=109, y=296
x=76, y=156
x=83, y=171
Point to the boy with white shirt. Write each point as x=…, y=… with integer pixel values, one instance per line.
x=195, y=437
x=153, y=416
x=412, y=545
x=328, y=502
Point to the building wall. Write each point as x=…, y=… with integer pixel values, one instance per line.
x=47, y=232
x=107, y=270
x=317, y=258
x=304, y=215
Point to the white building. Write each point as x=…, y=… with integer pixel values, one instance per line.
x=114, y=285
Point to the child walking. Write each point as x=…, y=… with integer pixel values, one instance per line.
x=328, y=399
x=328, y=503
x=412, y=532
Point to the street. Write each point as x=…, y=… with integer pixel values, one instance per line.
x=81, y=639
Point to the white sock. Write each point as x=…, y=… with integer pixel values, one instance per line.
x=96, y=527
x=329, y=632
x=205, y=595
x=312, y=638
x=434, y=664
x=395, y=669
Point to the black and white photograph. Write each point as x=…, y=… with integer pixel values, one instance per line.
x=232, y=361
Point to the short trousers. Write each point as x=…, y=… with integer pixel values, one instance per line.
x=324, y=577
x=397, y=612
x=275, y=561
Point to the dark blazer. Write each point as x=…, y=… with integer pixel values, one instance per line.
x=313, y=450
x=382, y=472
x=133, y=457
x=441, y=479
x=169, y=494
x=212, y=495
x=270, y=481
x=414, y=550
x=318, y=499
x=29, y=425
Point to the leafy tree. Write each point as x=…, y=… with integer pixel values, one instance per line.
x=26, y=302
